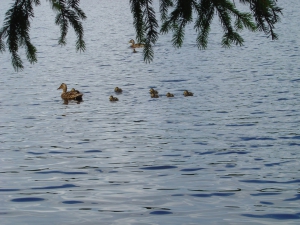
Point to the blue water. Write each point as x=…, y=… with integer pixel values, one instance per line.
x=227, y=155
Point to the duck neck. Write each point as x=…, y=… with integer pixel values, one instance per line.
x=64, y=88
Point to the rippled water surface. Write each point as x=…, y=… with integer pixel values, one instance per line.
x=227, y=155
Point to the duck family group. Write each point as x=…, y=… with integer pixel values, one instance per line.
x=77, y=95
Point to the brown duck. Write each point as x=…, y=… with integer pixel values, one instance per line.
x=152, y=91
x=118, y=90
x=188, y=93
x=135, y=45
x=154, y=95
x=70, y=95
x=169, y=95
x=113, y=99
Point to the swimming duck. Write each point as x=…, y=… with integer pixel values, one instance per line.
x=118, y=90
x=70, y=95
x=113, y=99
x=153, y=95
x=169, y=95
x=187, y=93
x=135, y=45
x=152, y=91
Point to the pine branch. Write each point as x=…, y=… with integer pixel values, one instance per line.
x=164, y=5
x=205, y=13
x=138, y=22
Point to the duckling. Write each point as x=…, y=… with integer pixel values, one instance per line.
x=70, y=95
x=187, y=93
x=152, y=91
x=154, y=95
x=118, y=90
x=74, y=90
x=169, y=95
x=113, y=99
x=135, y=45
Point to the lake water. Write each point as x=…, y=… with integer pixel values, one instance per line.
x=227, y=155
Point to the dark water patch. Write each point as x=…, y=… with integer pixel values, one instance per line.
x=59, y=152
x=258, y=159
x=7, y=190
x=265, y=194
x=277, y=216
x=92, y=151
x=282, y=99
x=200, y=143
x=61, y=172
x=212, y=194
x=205, y=153
x=261, y=146
x=191, y=169
x=295, y=80
x=272, y=164
x=159, y=212
x=230, y=165
x=270, y=181
x=266, y=203
x=56, y=187
x=241, y=125
x=172, y=155
x=293, y=137
x=254, y=168
x=36, y=153
x=294, y=199
x=238, y=146
x=158, y=167
x=34, y=170
x=72, y=202
x=29, y=199
x=294, y=144
x=102, y=210
x=221, y=112
x=176, y=80
x=233, y=152
x=257, y=139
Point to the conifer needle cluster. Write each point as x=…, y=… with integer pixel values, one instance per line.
x=174, y=15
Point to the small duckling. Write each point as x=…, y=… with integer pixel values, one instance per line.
x=118, y=90
x=187, y=93
x=152, y=91
x=169, y=95
x=154, y=95
x=113, y=99
x=74, y=90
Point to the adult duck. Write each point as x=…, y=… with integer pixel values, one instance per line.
x=135, y=45
x=70, y=95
